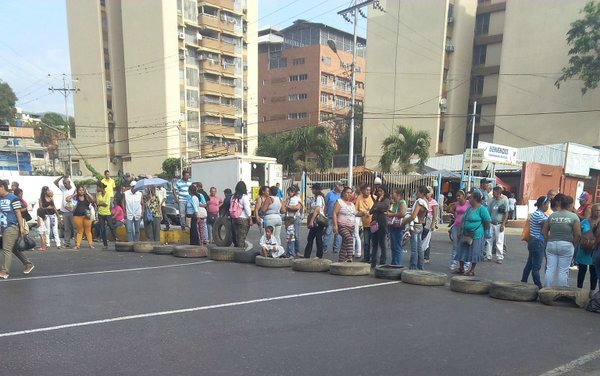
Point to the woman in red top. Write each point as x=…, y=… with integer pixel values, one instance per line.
x=585, y=206
x=212, y=208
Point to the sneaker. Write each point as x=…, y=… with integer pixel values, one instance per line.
x=28, y=269
x=488, y=259
x=573, y=267
x=427, y=261
x=3, y=275
x=498, y=261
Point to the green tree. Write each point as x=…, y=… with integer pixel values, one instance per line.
x=7, y=102
x=343, y=141
x=403, y=145
x=170, y=167
x=584, y=40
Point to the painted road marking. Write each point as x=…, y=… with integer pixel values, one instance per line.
x=104, y=272
x=571, y=366
x=186, y=310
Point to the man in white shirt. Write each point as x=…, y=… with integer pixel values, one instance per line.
x=66, y=208
x=134, y=211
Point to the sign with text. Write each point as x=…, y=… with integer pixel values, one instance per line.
x=495, y=153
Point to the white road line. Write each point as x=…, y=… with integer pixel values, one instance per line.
x=186, y=310
x=571, y=366
x=103, y=272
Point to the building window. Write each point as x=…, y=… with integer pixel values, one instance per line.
x=298, y=77
x=276, y=61
x=264, y=82
x=323, y=98
x=298, y=61
x=296, y=115
x=479, y=53
x=476, y=85
x=324, y=79
x=326, y=60
x=441, y=136
x=482, y=24
x=297, y=97
x=264, y=119
x=264, y=100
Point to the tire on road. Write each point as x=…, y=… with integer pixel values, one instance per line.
x=190, y=251
x=515, y=291
x=245, y=257
x=270, y=262
x=221, y=233
x=393, y=272
x=144, y=247
x=163, y=249
x=311, y=265
x=563, y=296
x=470, y=285
x=124, y=246
x=222, y=253
x=350, y=268
x=424, y=278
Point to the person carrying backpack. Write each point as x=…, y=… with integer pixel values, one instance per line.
x=240, y=213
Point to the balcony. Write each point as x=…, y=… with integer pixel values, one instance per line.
x=212, y=86
x=217, y=108
x=216, y=150
x=209, y=21
x=211, y=65
x=218, y=130
x=211, y=43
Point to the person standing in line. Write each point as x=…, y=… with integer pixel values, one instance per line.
x=11, y=226
x=536, y=245
x=161, y=193
x=417, y=216
x=585, y=206
x=192, y=210
x=202, y=191
x=271, y=206
x=155, y=207
x=551, y=209
x=330, y=199
x=292, y=208
x=316, y=206
x=379, y=234
x=363, y=204
x=259, y=215
x=66, y=208
x=203, y=197
x=498, y=210
x=110, y=185
x=460, y=208
x=485, y=187
x=181, y=194
x=212, y=209
x=344, y=214
x=83, y=217
x=133, y=207
x=474, y=227
x=512, y=207
x=430, y=224
x=584, y=257
x=103, y=201
x=13, y=187
x=562, y=231
x=279, y=191
x=46, y=202
x=396, y=215
x=240, y=213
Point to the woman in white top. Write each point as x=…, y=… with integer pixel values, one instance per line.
x=271, y=206
x=344, y=218
x=240, y=213
x=315, y=231
x=418, y=215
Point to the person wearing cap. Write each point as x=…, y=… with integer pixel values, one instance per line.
x=498, y=210
x=330, y=200
x=134, y=210
x=585, y=206
x=536, y=245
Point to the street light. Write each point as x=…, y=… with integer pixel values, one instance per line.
x=333, y=47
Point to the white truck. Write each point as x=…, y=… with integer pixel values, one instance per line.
x=226, y=172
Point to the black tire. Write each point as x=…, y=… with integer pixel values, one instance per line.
x=190, y=251
x=515, y=291
x=564, y=296
x=470, y=285
x=311, y=265
x=393, y=272
x=269, y=262
x=163, y=249
x=217, y=253
x=350, y=268
x=245, y=257
x=221, y=233
x=424, y=278
x=124, y=246
x=144, y=247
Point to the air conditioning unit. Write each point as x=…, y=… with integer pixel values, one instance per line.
x=182, y=56
x=443, y=105
x=450, y=19
x=181, y=36
x=449, y=47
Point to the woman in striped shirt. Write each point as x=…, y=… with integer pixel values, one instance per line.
x=536, y=244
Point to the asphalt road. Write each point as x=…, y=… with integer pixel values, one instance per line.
x=98, y=312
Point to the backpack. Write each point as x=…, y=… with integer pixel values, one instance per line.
x=235, y=208
x=594, y=303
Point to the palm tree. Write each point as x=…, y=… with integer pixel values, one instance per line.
x=404, y=145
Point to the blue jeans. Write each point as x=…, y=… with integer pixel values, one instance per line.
x=455, y=232
x=182, y=204
x=133, y=229
x=396, y=245
x=291, y=248
x=297, y=224
x=536, y=250
x=337, y=239
x=416, y=248
x=367, y=244
x=558, y=259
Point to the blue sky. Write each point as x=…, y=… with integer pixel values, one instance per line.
x=34, y=46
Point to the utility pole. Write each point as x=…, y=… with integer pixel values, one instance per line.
x=65, y=91
x=474, y=116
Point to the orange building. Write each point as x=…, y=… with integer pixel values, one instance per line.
x=302, y=81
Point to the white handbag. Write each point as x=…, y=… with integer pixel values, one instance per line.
x=202, y=213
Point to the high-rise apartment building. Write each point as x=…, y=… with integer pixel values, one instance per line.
x=162, y=78
x=429, y=61
x=302, y=81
